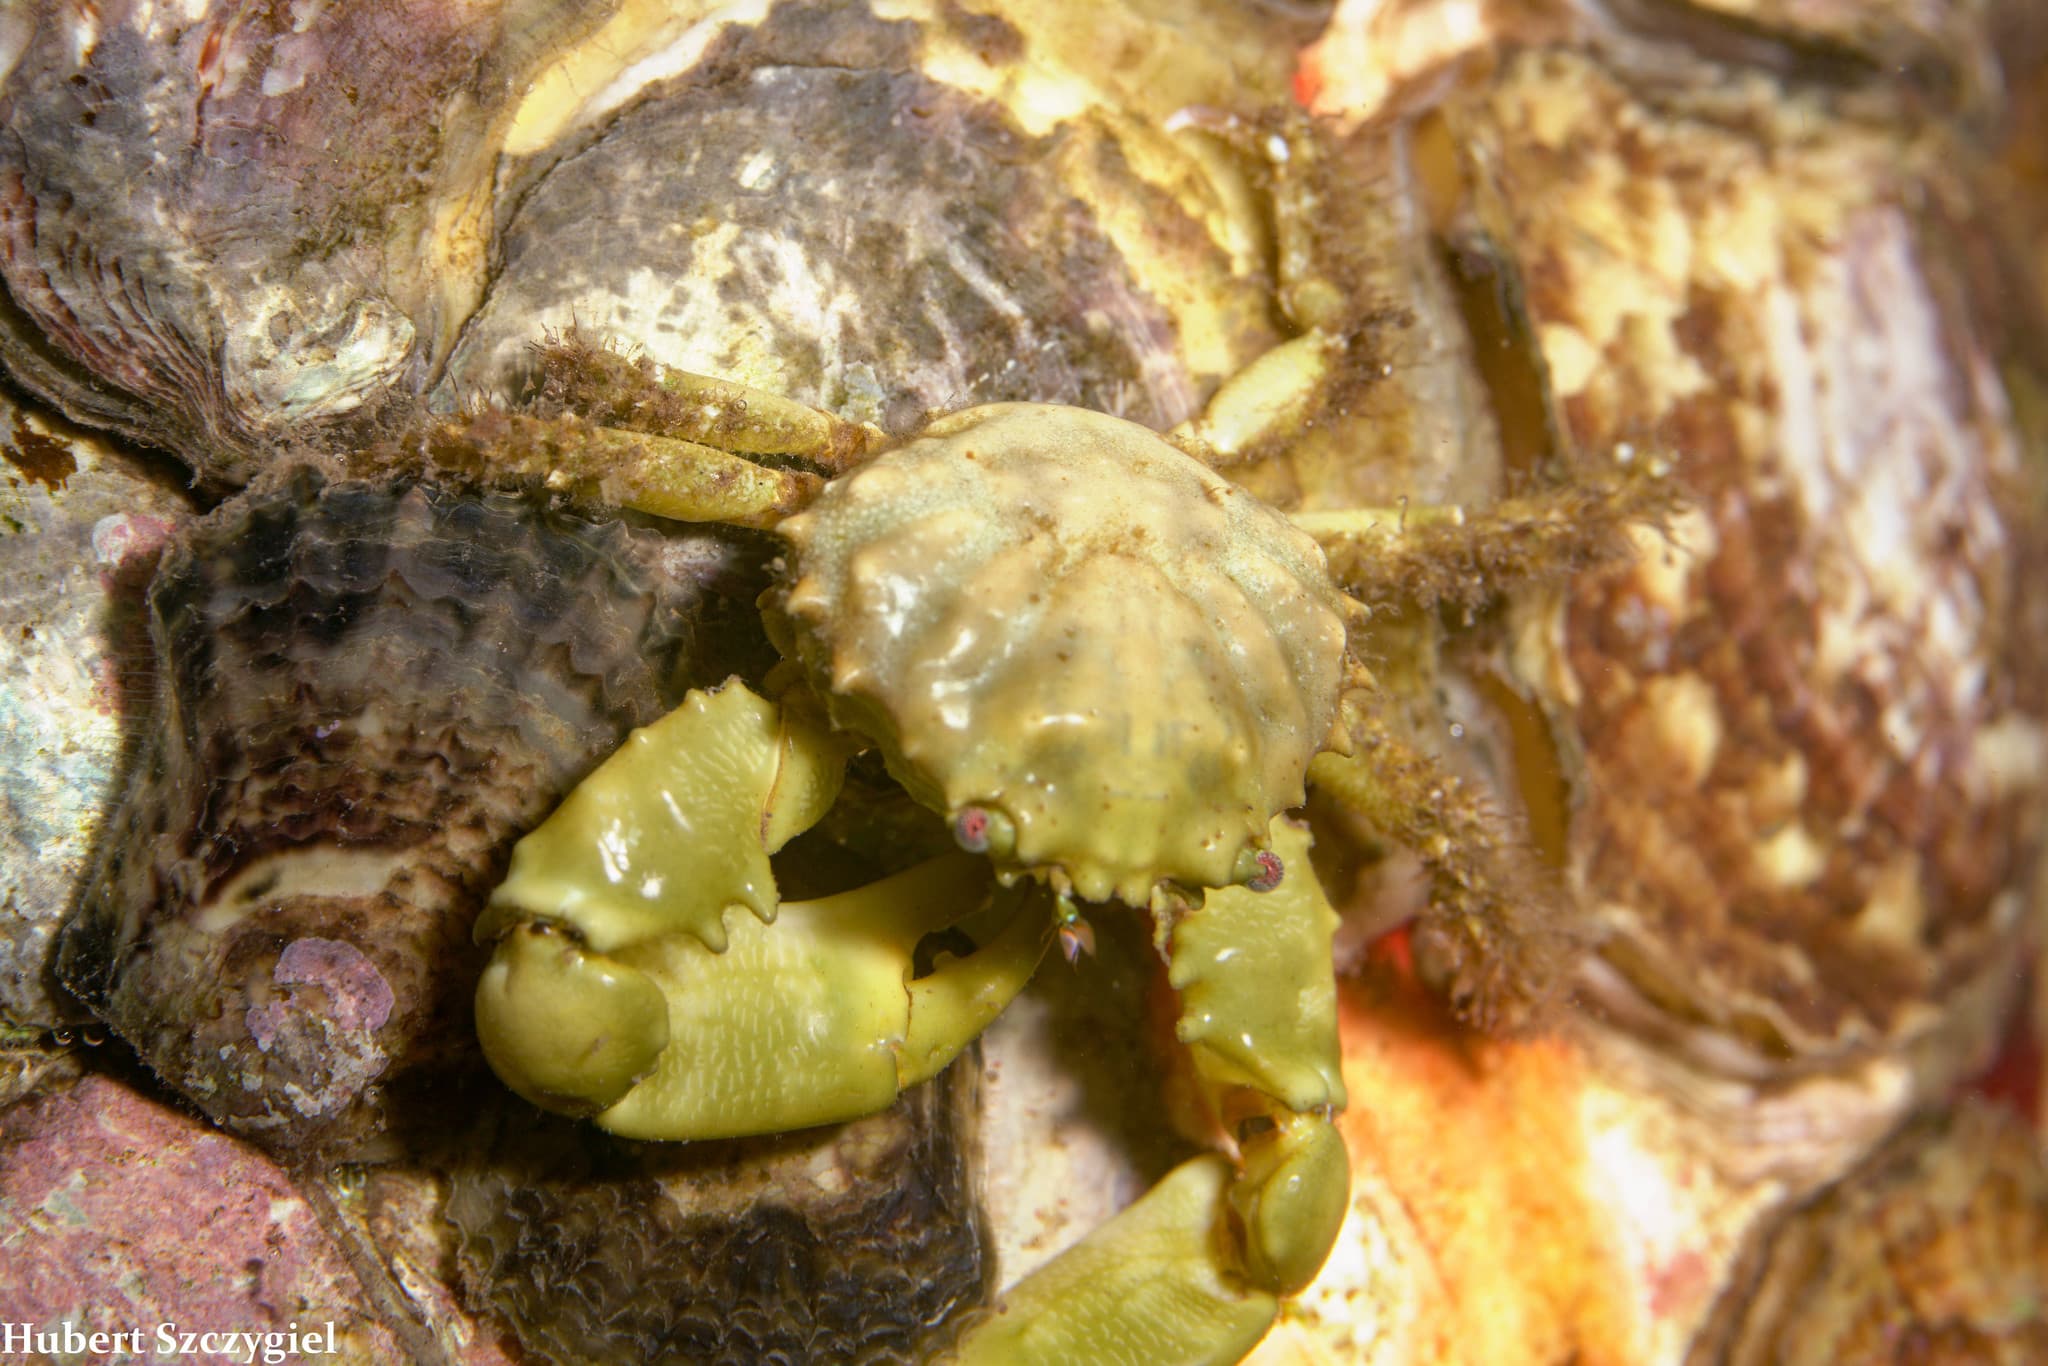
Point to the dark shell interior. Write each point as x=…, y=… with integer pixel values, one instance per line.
x=368, y=691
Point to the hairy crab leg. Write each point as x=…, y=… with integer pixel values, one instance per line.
x=1495, y=932
x=1415, y=554
x=1267, y=402
x=638, y=394
x=666, y=476
x=658, y=440
x=1260, y=404
x=1430, y=554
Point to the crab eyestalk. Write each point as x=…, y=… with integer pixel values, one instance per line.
x=1259, y=870
x=985, y=830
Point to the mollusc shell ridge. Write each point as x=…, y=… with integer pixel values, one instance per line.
x=367, y=691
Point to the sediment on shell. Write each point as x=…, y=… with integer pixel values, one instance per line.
x=368, y=691
x=855, y=1243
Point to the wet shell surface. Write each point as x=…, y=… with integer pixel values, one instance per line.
x=854, y=1243
x=1934, y=1249
x=1057, y=617
x=368, y=691
x=1811, y=718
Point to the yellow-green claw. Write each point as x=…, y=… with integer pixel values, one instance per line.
x=1258, y=988
x=687, y=482
x=950, y=1007
x=815, y=1020
x=1290, y=1200
x=676, y=828
x=619, y=986
x=568, y=1030
x=1152, y=1287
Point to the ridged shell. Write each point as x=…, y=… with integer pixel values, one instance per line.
x=1811, y=721
x=1934, y=1249
x=368, y=692
x=1057, y=615
x=855, y=1243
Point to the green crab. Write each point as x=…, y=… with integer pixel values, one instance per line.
x=1109, y=669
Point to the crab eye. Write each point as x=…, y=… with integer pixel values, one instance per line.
x=1258, y=870
x=1270, y=871
x=983, y=830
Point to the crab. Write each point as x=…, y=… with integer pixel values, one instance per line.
x=1109, y=669
x=966, y=603
x=1626, y=224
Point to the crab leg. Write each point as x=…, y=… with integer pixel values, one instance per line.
x=1151, y=1286
x=663, y=475
x=1493, y=934
x=1262, y=404
x=658, y=440
x=640, y=395
x=1468, y=556
x=1192, y=1272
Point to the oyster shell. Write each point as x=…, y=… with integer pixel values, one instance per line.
x=369, y=690
x=1814, y=758
x=1801, y=740
x=81, y=525
x=1934, y=1249
x=232, y=235
x=860, y=1242
x=225, y=229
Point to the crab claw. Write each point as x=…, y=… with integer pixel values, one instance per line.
x=1193, y=1272
x=675, y=829
x=1258, y=987
x=813, y=1020
x=1160, y=1282
x=565, y=1028
x=620, y=990
x=1154, y=1284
